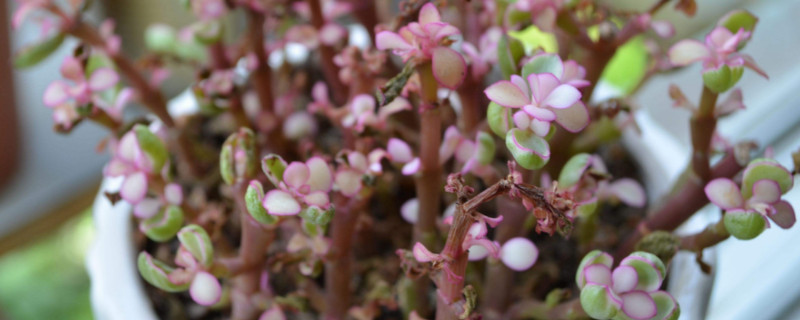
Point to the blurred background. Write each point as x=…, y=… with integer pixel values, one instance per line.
x=48, y=181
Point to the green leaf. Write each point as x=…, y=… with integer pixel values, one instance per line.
x=597, y=302
x=529, y=150
x=253, y=198
x=226, y=164
x=668, y=308
x=533, y=38
x=650, y=276
x=161, y=38
x=744, y=225
x=195, y=239
x=208, y=32
x=759, y=169
x=274, y=166
x=593, y=257
x=31, y=55
x=509, y=52
x=164, y=225
x=573, y=170
x=152, y=146
x=738, y=19
x=545, y=63
x=628, y=66
x=156, y=273
x=486, y=148
x=723, y=78
x=655, y=260
x=317, y=215
x=499, y=119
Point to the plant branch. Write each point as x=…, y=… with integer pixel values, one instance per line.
x=338, y=263
x=329, y=68
x=220, y=61
x=710, y=236
x=703, y=125
x=262, y=75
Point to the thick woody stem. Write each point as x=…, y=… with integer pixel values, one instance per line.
x=337, y=268
x=680, y=205
x=329, y=68
x=703, y=124
x=262, y=76
x=451, y=284
x=252, y=253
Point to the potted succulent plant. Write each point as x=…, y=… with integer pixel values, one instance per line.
x=459, y=168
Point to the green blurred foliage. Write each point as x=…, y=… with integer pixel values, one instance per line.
x=47, y=279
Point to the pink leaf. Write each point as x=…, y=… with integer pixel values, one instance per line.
x=134, y=188
x=296, y=174
x=449, y=67
x=280, y=203
x=687, y=51
x=146, y=208
x=624, y=279
x=390, y=40
x=507, y=94
x=320, y=175
x=663, y=29
x=597, y=274
x=629, y=191
x=422, y=254
x=72, y=69
x=452, y=137
x=56, y=93
x=638, y=305
x=348, y=182
x=519, y=254
x=429, y=14
x=399, y=151
x=317, y=198
x=731, y=104
x=173, y=193
x=410, y=210
x=562, y=97
x=574, y=118
x=205, y=289
x=102, y=79
x=411, y=167
x=539, y=113
x=765, y=191
x=274, y=313
x=724, y=193
x=784, y=215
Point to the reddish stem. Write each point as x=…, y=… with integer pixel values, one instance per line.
x=681, y=205
x=338, y=266
x=710, y=236
x=220, y=61
x=703, y=124
x=499, y=278
x=326, y=53
x=255, y=241
x=262, y=75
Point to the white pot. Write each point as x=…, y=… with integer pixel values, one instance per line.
x=118, y=293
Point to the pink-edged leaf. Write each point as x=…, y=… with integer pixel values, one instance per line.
x=629, y=191
x=422, y=254
x=205, y=289
x=450, y=142
x=521, y=84
x=784, y=215
x=731, y=104
x=539, y=113
x=541, y=128
x=477, y=230
x=466, y=151
x=173, y=193
x=483, y=247
x=399, y=151
x=134, y=188
x=411, y=167
x=765, y=191
x=320, y=175
x=274, y=313
x=562, y=97
x=663, y=29
x=751, y=64
x=638, y=305
x=429, y=14
x=280, y=203
x=573, y=119
x=348, y=182
x=519, y=254
x=103, y=79
x=477, y=252
x=410, y=210
x=390, y=40
x=146, y=208
x=507, y=94
x=624, y=279
x=317, y=198
x=522, y=120
x=492, y=222
x=449, y=67
x=724, y=193
x=597, y=274
x=687, y=51
x=56, y=93
x=296, y=174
